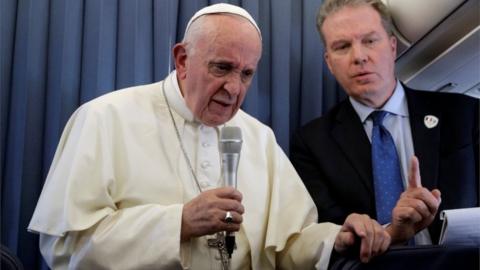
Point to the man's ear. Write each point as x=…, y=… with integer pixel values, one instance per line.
x=393, y=45
x=180, y=56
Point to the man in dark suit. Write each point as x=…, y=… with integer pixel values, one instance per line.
x=333, y=154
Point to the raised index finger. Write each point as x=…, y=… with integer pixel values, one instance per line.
x=414, y=179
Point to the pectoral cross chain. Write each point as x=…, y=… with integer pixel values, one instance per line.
x=219, y=243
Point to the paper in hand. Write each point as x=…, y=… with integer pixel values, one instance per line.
x=460, y=227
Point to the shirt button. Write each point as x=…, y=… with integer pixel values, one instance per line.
x=204, y=184
x=205, y=144
x=205, y=164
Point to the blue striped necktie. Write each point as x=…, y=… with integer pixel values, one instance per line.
x=386, y=169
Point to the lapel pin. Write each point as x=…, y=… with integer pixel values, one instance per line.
x=430, y=121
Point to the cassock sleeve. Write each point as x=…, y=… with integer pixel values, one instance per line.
x=309, y=244
x=293, y=233
x=80, y=224
x=302, y=155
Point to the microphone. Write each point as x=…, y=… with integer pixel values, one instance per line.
x=230, y=145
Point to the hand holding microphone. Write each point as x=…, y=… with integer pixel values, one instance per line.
x=230, y=145
x=197, y=218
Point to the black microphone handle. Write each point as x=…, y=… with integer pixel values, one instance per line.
x=230, y=243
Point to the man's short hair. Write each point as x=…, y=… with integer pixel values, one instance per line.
x=331, y=6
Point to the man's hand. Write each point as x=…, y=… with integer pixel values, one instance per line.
x=374, y=239
x=205, y=214
x=415, y=209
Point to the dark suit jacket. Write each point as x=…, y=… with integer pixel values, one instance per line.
x=332, y=156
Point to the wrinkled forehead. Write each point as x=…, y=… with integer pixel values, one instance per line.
x=223, y=32
x=232, y=39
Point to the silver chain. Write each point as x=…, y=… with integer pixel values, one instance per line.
x=180, y=139
x=219, y=242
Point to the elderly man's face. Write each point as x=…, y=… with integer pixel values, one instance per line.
x=215, y=75
x=360, y=54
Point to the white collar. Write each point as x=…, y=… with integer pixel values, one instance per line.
x=176, y=99
x=396, y=104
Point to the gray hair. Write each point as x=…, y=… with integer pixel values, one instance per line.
x=194, y=31
x=196, y=25
x=198, y=29
x=331, y=6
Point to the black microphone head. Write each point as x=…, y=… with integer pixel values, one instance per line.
x=230, y=140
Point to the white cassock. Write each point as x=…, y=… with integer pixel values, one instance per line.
x=114, y=194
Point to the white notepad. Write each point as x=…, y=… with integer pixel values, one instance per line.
x=460, y=227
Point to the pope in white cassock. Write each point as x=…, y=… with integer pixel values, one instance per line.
x=136, y=184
